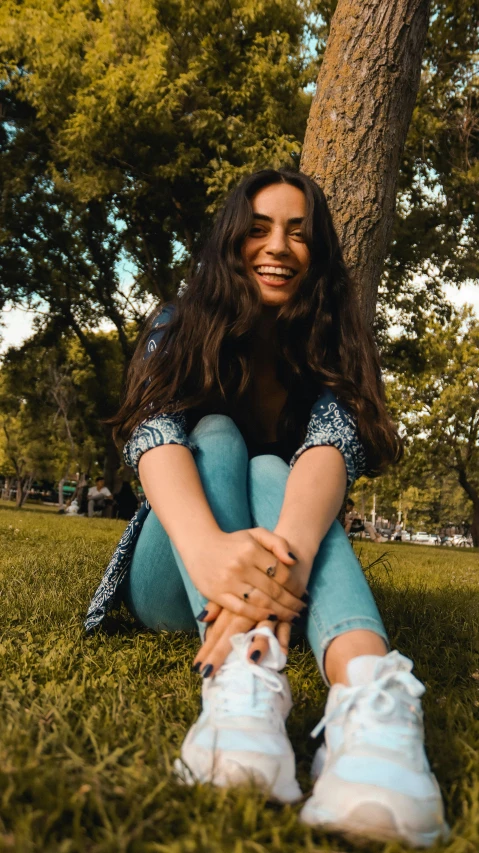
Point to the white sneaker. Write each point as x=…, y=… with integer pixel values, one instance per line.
x=375, y=780
x=240, y=735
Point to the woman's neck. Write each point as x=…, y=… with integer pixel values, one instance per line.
x=266, y=326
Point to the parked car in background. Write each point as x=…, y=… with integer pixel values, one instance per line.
x=423, y=538
x=404, y=536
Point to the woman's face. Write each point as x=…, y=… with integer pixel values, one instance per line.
x=274, y=252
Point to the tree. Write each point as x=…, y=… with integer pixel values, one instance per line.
x=440, y=405
x=436, y=229
x=359, y=118
x=126, y=122
x=49, y=402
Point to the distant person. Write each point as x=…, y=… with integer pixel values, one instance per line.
x=353, y=523
x=126, y=502
x=99, y=497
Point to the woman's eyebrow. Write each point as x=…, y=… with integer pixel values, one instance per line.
x=295, y=220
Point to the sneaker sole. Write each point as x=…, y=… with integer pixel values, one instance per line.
x=371, y=821
x=289, y=793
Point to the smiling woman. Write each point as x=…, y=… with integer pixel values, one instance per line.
x=264, y=360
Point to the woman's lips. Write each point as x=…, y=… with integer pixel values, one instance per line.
x=276, y=283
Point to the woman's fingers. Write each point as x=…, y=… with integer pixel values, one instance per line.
x=210, y=612
x=259, y=644
x=273, y=588
x=248, y=609
x=217, y=645
x=283, y=634
x=274, y=543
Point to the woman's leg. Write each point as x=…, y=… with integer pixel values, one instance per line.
x=374, y=778
x=342, y=618
x=159, y=591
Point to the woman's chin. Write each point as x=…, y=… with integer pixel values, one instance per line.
x=275, y=297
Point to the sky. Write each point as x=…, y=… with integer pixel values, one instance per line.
x=17, y=324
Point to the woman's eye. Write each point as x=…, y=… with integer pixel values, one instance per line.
x=256, y=232
x=298, y=235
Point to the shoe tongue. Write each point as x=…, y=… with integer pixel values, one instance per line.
x=363, y=669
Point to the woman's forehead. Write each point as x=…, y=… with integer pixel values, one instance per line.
x=279, y=200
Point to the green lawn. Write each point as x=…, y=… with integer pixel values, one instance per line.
x=89, y=727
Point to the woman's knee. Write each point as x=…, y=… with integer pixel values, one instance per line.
x=220, y=433
x=268, y=471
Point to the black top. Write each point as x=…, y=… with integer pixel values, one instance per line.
x=282, y=449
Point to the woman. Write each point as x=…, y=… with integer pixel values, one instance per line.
x=262, y=361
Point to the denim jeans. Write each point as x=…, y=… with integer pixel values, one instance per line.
x=245, y=493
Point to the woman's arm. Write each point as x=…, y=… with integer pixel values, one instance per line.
x=314, y=494
x=221, y=565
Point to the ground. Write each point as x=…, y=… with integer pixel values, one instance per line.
x=89, y=727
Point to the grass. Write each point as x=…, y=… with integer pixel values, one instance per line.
x=89, y=727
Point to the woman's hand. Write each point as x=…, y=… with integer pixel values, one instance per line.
x=245, y=572
x=225, y=625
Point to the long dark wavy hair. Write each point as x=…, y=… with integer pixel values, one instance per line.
x=204, y=361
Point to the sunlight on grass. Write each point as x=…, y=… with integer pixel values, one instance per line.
x=89, y=727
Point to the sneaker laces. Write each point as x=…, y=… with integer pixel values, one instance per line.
x=375, y=697
x=247, y=688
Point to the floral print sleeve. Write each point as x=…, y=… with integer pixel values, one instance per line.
x=332, y=425
x=162, y=429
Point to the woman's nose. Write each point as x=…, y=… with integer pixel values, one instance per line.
x=277, y=242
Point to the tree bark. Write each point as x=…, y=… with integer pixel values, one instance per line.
x=473, y=495
x=475, y=524
x=358, y=122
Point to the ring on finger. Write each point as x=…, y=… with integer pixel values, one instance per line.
x=271, y=571
x=246, y=595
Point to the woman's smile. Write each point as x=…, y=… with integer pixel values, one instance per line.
x=275, y=276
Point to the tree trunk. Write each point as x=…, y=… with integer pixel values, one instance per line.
x=61, y=502
x=473, y=495
x=357, y=126
x=475, y=524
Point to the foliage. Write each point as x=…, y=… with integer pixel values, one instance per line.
x=126, y=122
x=89, y=727
x=435, y=395
x=49, y=402
x=437, y=223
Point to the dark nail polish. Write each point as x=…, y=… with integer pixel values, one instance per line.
x=207, y=670
x=255, y=656
x=197, y=666
x=290, y=554
x=272, y=617
x=296, y=620
x=202, y=615
x=305, y=596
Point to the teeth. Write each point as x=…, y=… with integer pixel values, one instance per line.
x=284, y=271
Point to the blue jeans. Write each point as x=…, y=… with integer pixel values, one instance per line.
x=245, y=493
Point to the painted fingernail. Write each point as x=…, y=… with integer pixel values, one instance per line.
x=196, y=666
x=305, y=596
x=254, y=656
x=296, y=620
x=272, y=617
x=202, y=615
x=207, y=670
x=290, y=554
